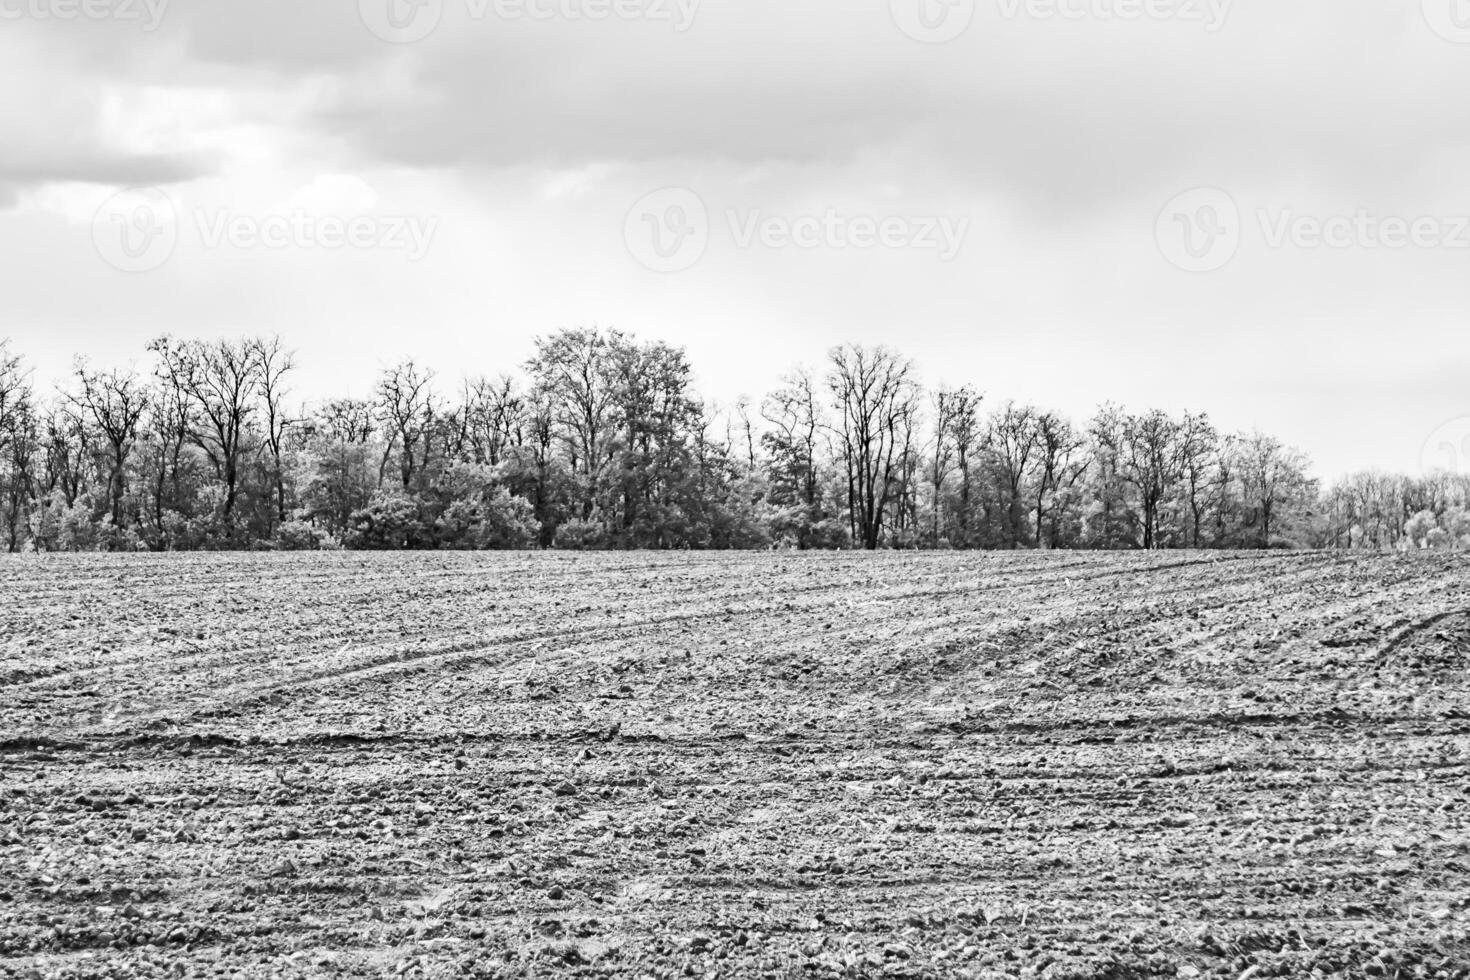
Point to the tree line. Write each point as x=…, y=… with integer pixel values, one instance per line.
x=599, y=441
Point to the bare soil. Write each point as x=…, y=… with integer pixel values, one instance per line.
x=735, y=766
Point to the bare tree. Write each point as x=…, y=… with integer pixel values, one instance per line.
x=1199, y=450
x=965, y=433
x=875, y=396
x=15, y=394
x=571, y=370
x=495, y=418
x=906, y=497
x=113, y=403
x=1061, y=463
x=747, y=429
x=408, y=408
x=173, y=417
x=941, y=456
x=540, y=427
x=14, y=389
x=349, y=420
x=1152, y=462
x=793, y=442
x=63, y=453
x=1275, y=474
x=1112, y=523
x=18, y=437
x=21, y=439
x=1011, y=440
x=273, y=362
x=221, y=379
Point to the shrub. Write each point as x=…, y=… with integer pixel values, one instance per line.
x=388, y=523
x=495, y=522
x=59, y=526
x=300, y=536
x=579, y=535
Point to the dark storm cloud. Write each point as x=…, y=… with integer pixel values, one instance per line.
x=99, y=167
x=1053, y=114
x=59, y=114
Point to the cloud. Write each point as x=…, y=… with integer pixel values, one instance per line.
x=284, y=36
x=1061, y=136
x=93, y=165
x=56, y=127
x=1052, y=114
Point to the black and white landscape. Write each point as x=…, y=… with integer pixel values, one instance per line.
x=734, y=488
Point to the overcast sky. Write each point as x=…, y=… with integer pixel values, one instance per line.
x=1250, y=208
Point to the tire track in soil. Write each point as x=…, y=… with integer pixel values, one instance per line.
x=402, y=662
x=202, y=654
x=1125, y=830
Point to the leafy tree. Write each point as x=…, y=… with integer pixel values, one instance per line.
x=603, y=442
x=1011, y=444
x=1152, y=460
x=793, y=445
x=1275, y=483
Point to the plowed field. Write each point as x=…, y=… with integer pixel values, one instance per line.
x=735, y=765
